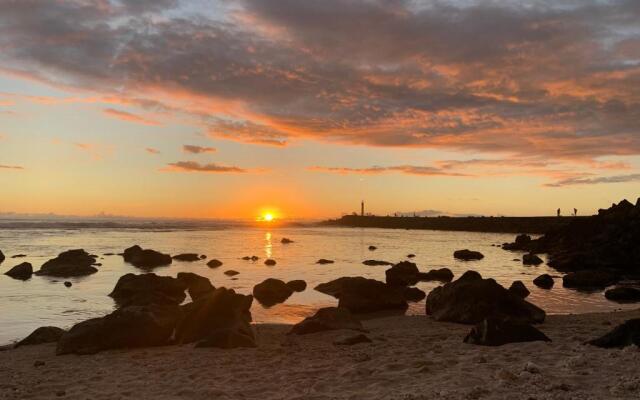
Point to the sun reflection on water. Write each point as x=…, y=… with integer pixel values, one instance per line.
x=268, y=246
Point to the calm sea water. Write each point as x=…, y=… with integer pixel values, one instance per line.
x=46, y=301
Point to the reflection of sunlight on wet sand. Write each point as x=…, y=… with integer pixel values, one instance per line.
x=268, y=246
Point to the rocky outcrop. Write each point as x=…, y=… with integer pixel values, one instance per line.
x=471, y=299
x=328, y=319
x=187, y=257
x=375, y=263
x=297, y=285
x=519, y=289
x=404, y=273
x=621, y=336
x=44, y=334
x=494, y=332
x=214, y=263
x=69, y=263
x=590, y=279
x=271, y=292
x=468, y=255
x=623, y=294
x=146, y=258
x=197, y=286
x=442, y=275
x=544, y=281
x=324, y=261
x=21, y=271
x=522, y=243
x=147, y=289
x=531, y=259
x=362, y=295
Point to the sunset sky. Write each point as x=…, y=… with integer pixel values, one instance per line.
x=203, y=108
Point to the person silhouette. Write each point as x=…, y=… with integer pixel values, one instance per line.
x=575, y=212
x=558, y=212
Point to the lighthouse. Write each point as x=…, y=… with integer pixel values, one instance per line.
x=362, y=208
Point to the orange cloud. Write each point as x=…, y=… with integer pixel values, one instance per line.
x=192, y=166
x=127, y=116
x=197, y=149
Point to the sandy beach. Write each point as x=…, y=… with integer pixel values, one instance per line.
x=409, y=358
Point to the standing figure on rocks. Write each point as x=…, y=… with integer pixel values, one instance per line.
x=575, y=212
x=559, y=213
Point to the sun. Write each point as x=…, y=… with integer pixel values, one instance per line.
x=267, y=217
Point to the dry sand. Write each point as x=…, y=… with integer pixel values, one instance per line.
x=410, y=358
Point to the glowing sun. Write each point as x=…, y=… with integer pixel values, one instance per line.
x=267, y=217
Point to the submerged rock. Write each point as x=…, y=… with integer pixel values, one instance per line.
x=327, y=319
x=69, y=263
x=269, y=262
x=590, y=279
x=286, y=241
x=147, y=289
x=272, y=291
x=492, y=332
x=44, y=334
x=324, y=261
x=21, y=271
x=531, y=259
x=621, y=336
x=442, y=275
x=197, y=286
x=188, y=257
x=411, y=255
x=214, y=263
x=544, y=281
x=468, y=255
x=519, y=289
x=471, y=299
x=375, y=263
x=297, y=285
x=362, y=295
x=146, y=258
x=623, y=294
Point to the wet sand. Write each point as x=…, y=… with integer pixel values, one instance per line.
x=410, y=358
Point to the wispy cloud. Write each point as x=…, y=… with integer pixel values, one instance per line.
x=151, y=150
x=94, y=150
x=595, y=180
x=13, y=167
x=187, y=148
x=127, y=116
x=192, y=166
x=376, y=170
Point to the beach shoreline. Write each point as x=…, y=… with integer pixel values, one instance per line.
x=411, y=357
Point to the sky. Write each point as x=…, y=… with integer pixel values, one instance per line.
x=227, y=109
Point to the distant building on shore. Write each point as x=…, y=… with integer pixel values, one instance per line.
x=362, y=208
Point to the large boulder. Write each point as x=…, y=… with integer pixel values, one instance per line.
x=544, y=281
x=413, y=294
x=519, y=289
x=44, y=334
x=69, y=263
x=468, y=255
x=187, y=257
x=220, y=319
x=272, y=291
x=197, y=286
x=297, y=285
x=129, y=327
x=147, y=289
x=362, y=295
x=146, y=258
x=621, y=336
x=442, y=275
x=623, y=294
x=590, y=279
x=328, y=319
x=404, y=273
x=522, y=243
x=21, y=271
x=471, y=299
x=494, y=332
x=2, y=257
x=531, y=259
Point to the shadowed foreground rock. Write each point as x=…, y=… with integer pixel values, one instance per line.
x=442, y=275
x=362, y=295
x=623, y=294
x=2, y=257
x=214, y=263
x=271, y=292
x=492, y=332
x=44, y=334
x=404, y=273
x=590, y=279
x=328, y=319
x=21, y=271
x=519, y=289
x=471, y=299
x=147, y=289
x=468, y=255
x=621, y=336
x=197, y=286
x=69, y=263
x=146, y=258
x=544, y=281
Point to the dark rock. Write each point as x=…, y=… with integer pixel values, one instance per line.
x=146, y=258
x=69, y=263
x=471, y=299
x=231, y=272
x=404, y=273
x=214, y=263
x=197, y=286
x=442, y=275
x=19, y=256
x=623, y=294
x=362, y=295
x=221, y=319
x=519, y=289
x=327, y=319
x=286, y=241
x=246, y=258
x=375, y=263
x=128, y=327
x=324, y=261
x=188, y=257
x=271, y=291
x=544, y=281
x=590, y=279
x=414, y=294
x=531, y=259
x=352, y=340
x=621, y=336
x=203, y=256
x=269, y=262
x=255, y=258
x=68, y=284
x=522, y=243
x=2, y=257
x=146, y=289
x=372, y=248
x=297, y=285
x=468, y=255
x=411, y=255
x=492, y=332
x=21, y=271
x=109, y=254
x=44, y=334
